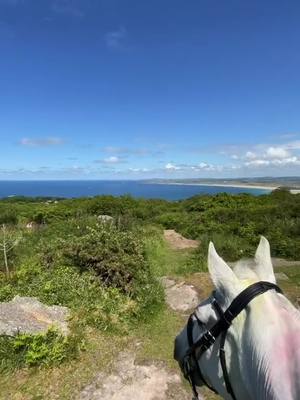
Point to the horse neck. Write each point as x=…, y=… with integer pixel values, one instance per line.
x=270, y=356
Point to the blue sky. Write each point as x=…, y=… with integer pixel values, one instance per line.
x=114, y=89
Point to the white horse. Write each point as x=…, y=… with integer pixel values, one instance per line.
x=262, y=345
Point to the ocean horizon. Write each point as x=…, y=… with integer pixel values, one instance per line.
x=90, y=188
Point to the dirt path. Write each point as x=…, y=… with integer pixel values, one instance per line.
x=150, y=380
x=178, y=242
x=281, y=262
x=131, y=381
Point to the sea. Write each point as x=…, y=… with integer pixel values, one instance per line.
x=139, y=189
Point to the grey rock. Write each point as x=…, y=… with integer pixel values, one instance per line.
x=105, y=218
x=181, y=297
x=29, y=315
x=131, y=381
x=167, y=282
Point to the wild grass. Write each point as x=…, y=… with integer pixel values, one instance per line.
x=65, y=381
x=165, y=261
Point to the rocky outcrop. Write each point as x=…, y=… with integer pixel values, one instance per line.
x=29, y=315
x=131, y=381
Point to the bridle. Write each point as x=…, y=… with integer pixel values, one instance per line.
x=190, y=364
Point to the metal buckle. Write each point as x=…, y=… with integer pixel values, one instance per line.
x=209, y=340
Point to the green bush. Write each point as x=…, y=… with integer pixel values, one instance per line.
x=48, y=349
x=105, y=308
x=115, y=256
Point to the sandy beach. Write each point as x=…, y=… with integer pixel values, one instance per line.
x=241, y=185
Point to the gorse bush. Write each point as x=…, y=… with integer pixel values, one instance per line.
x=116, y=257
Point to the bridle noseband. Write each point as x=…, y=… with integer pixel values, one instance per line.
x=190, y=364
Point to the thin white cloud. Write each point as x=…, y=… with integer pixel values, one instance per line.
x=295, y=145
x=111, y=160
x=289, y=135
x=127, y=150
x=172, y=167
x=115, y=39
x=67, y=7
x=139, y=169
x=250, y=155
x=202, y=166
x=256, y=163
x=41, y=142
x=277, y=162
x=277, y=152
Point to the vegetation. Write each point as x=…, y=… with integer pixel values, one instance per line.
x=106, y=273
x=48, y=349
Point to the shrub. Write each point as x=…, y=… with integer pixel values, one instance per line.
x=115, y=256
x=50, y=348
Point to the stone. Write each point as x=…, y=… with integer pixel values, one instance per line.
x=181, y=297
x=105, y=218
x=29, y=315
x=167, y=282
x=131, y=381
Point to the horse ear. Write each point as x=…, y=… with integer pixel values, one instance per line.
x=221, y=274
x=264, y=267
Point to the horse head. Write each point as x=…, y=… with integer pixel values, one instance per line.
x=243, y=342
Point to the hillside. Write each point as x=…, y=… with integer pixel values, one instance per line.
x=108, y=272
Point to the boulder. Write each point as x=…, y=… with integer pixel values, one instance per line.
x=105, y=218
x=29, y=315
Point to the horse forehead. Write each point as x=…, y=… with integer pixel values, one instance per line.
x=245, y=269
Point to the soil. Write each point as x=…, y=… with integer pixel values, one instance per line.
x=178, y=242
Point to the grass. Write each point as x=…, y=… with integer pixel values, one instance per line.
x=66, y=381
x=166, y=261
x=291, y=287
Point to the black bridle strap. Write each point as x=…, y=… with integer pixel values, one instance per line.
x=222, y=356
x=190, y=326
x=235, y=308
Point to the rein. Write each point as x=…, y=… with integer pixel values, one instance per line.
x=197, y=348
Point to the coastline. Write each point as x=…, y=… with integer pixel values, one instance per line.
x=238, y=185
x=243, y=186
